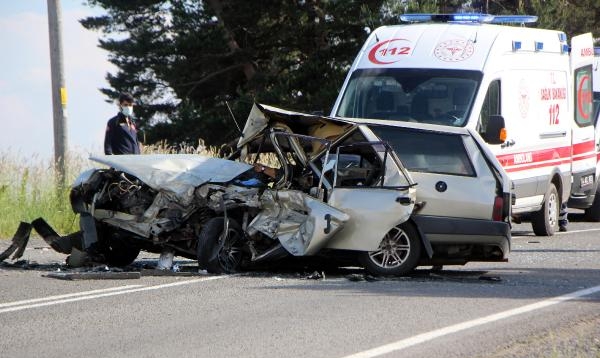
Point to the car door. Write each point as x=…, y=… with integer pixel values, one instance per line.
x=454, y=179
x=368, y=183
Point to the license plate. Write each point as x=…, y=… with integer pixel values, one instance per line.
x=587, y=180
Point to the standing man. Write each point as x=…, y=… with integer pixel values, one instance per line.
x=121, y=135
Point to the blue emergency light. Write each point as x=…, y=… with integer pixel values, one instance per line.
x=470, y=18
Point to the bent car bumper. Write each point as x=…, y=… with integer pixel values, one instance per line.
x=446, y=231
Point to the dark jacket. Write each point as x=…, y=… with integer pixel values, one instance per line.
x=120, y=138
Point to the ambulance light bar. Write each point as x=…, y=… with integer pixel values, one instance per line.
x=470, y=18
x=539, y=46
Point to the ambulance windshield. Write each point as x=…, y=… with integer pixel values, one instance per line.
x=412, y=95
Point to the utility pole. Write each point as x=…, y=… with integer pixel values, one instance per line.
x=59, y=92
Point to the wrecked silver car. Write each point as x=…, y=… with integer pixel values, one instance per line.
x=228, y=215
x=336, y=189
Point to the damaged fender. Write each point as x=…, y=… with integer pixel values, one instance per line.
x=302, y=224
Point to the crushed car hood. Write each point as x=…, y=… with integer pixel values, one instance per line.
x=176, y=173
x=263, y=116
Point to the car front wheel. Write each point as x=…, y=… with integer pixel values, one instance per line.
x=220, y=250
x=397, y=254
x=118, y=251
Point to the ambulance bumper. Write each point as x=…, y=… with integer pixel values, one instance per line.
x=583, y=190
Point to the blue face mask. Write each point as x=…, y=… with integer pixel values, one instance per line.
x=127, y=111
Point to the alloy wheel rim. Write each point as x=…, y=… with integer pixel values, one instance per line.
x=393, y=250
x=230, y=254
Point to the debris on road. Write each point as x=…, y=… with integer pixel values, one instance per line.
x=108, y=275
x=19, y=242
x=316, y=275
x=355, y=277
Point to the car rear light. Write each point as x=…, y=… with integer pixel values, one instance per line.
x=497, y=212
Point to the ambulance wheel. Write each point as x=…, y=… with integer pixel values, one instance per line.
x=593, y=212
x=397, y=254
x=545, y=220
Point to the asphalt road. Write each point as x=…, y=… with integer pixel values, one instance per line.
x=544, y=302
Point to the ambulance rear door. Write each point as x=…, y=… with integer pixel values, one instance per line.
x=583, y=142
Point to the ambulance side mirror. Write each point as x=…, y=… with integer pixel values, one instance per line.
x=495, y=132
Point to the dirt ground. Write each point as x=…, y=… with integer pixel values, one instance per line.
x=579, y=340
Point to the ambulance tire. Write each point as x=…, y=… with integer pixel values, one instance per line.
x=545, y=220
x=592, y=213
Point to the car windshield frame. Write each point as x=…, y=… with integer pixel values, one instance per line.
x=393, y=169
x=438, y=96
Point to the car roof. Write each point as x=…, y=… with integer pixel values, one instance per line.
x=411, y=125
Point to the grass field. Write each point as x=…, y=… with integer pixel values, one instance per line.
x=28, y=188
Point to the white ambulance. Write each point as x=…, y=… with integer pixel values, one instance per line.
x=466, y=70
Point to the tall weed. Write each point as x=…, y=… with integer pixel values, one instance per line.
x=29, y=187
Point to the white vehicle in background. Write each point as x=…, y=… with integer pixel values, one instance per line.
x=593, y=212
x=465, y=70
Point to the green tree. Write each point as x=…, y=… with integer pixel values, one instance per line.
x=183, y=59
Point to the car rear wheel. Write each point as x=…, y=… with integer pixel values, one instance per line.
x=545, y=220
x=397, y=254
x=220, y=251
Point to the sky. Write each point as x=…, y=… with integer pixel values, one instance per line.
x=26, y=118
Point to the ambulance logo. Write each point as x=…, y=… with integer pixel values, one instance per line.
x=454, y=50
x=390, y=51
x=584, y=98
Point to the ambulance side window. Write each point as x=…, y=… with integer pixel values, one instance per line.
x=490, y=107
x=584, y=110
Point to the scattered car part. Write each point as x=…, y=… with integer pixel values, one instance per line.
x=19, y=242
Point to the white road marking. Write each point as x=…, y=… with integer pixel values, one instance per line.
x=88, y=295
x=428, y=336
x=58, y=297
x=559, y=233
x=575, y=231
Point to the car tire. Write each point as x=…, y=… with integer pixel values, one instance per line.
x=545, y=221
x=219, y=253
x=398, y=252
x=592, y=214
x=117, y=251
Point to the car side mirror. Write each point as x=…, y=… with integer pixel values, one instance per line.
x=495, y=132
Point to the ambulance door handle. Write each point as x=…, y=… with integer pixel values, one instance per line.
x=508, y=143
x=553, y=135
